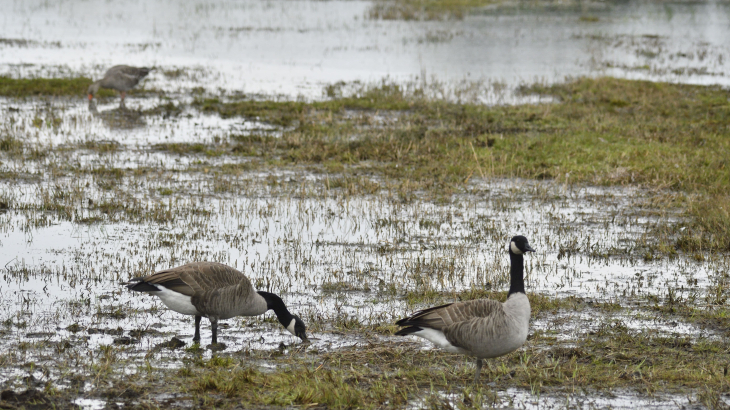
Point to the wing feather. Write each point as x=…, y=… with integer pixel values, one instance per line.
x=476, y=333
x=197, y=278
x=124, y=77
x=440, y=317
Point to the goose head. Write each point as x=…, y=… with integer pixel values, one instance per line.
x=297, y=328
x=93, y=89
x=518, y=245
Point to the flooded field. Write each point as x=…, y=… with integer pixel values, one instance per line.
x=364, y=168
x=294, y=48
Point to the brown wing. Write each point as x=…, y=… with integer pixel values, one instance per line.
x=124, y=77
x=215, y=289
x=440, y=317
x=170, y=278
x=197, y=278
x=477, y=333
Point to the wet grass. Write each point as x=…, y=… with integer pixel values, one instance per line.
x=49, y=87
x=604, y=131
x=287, y=113
x=710, y=312
x=425, y=9
x=403, y=164
x=187, y=148
x=395, y=373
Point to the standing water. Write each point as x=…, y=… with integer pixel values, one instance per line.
x=88, y=201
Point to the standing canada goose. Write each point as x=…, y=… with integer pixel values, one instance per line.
x=483, y=328
x=215, y=291
x=121, y=78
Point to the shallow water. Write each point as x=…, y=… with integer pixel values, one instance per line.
x=518, y=399
x=614, y=400
x=294, y=48
x=336, y=258
x=332, y=257
x=77, y=123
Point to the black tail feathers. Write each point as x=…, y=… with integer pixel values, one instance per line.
x=408, y=330
x=142, y=287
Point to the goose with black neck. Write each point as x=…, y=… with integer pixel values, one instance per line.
x=482, y=328
x=215, y=291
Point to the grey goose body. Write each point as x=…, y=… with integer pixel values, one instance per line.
x=482, y=328
x=215, y=291
x=121, y=78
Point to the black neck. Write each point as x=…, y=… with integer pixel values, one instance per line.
x=516, y=273
x=275, y=303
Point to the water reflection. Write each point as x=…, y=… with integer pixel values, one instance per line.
x=118, y=118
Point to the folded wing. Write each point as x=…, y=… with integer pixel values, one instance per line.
x=213, y=287
x=444, y=316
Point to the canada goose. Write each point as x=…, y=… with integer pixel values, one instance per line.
x=215, y=291
x=121, y=78
x=483, y=328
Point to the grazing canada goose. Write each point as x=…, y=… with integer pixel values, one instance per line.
x=121, y=78
x=483, y=328
x=215, y=291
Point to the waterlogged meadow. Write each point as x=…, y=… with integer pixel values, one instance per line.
x=359, y=200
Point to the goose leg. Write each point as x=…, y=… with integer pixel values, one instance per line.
x=479, y=369
x=214, y=327
x=196, y=337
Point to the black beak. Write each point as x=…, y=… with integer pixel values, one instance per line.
x=304, y=338
x=528, y=248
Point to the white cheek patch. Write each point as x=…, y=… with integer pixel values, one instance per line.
x=514, y=248
x=290, y=328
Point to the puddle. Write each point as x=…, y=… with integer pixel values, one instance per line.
x=520, y=399
x=613, y=400
x=294, y=48
x=91, y=404
x=570, y=326
x=69, y=122
x=371, y=240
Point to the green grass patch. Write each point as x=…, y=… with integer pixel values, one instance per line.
x=288, y=113
x=54, y=87
x=425, y=9
x=10, y=144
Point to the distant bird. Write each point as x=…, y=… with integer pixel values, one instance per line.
x=121, y=78
x=482, y=328
x=217, y=292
